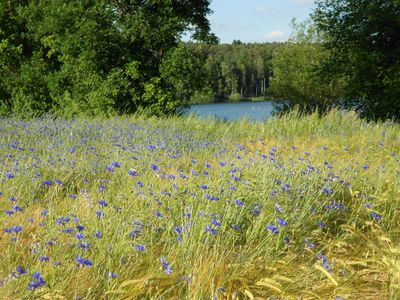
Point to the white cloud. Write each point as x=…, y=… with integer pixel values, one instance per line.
x=275, y=36
x=263, y=9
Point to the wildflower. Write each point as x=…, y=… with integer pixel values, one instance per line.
x=47, y=183
x=154, y=167
x=84, y=245
x=44, y=258
x=79, y=236
x=140, y=248
x=281, y=222
x=139, y=184
x=100, y=214
x=211, y=230
x=102, y=203
x=20, y=270
x=278, y=208
x=111, y=275
x=166, y=266
x=376, y=216
x=238, y=202
x=38, y=281
x=133, y=172
x=211, y=198
x=98, y=234
x=272, y=228
x=83, y=261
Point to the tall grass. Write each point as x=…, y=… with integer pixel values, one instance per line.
x=299, y=207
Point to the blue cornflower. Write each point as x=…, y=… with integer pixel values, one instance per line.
x=102, y=203
x=100, y=214
x=158, y=214
x=8, y=212
x=84, y=245
x=80, y=227
x=79, y=236
x=139, y=184
x=10, y=175
x=98, y=234
x=281, y=221
x=68, y=230
x=133, y=172
x=83, y=261
x=211, y=230
x=211, y=198
x=111, y=275
x=278, y=208
x=376, y=216
x=44, y=258
x=239, y=202
x=272, y=228
x=154, y=167
x=140, y=247
x=38, y=281
x=20, y=270
x=166, y=266
x=47, y=182
x=204, y=187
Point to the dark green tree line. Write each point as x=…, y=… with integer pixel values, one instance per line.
x=238, y=70
x=363, y=41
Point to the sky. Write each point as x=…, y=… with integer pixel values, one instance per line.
x=256, y=20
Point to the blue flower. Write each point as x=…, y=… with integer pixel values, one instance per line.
x=166, y=266
x=83, y=261
x=154, y=167
x=102, y=203
x=20, y=270
x=272, y=228
x=38, y=281
x=79, y=236
x=44, y=258
x=376, y=216
x=239, y=202
x=281, y=221
x=140, y=247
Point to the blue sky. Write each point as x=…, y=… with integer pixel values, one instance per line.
x=256, y=20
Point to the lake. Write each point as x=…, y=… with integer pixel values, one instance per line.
x=230, y=111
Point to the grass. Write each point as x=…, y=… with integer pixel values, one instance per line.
x=300, y=207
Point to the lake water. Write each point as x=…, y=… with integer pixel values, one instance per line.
x=234, y=110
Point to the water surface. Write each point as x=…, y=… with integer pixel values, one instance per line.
x=230, y=111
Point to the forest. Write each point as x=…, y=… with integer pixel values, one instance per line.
x=113, y=57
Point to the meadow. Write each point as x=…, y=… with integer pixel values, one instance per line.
x=296, y=207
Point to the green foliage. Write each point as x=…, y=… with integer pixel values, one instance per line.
x=92, y=57
x=364, y=45
x=183, y=70
x=296, y=77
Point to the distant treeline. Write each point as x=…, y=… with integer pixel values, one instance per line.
x=235, y=71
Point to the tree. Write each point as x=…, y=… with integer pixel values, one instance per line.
x=92, y=56
x=364, y=47
x=295, y=67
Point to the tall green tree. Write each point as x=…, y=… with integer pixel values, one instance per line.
x=363, y=40
x=92, y=56
x=296, y=72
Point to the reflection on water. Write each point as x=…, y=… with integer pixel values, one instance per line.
x=234, y=110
